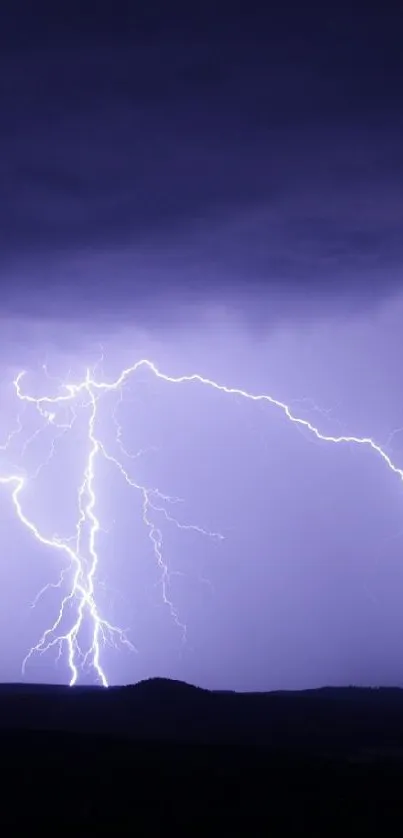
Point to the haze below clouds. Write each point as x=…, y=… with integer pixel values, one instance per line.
x=306, y=587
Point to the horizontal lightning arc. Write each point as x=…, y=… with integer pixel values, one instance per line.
x=236, y=391
x=84, y=567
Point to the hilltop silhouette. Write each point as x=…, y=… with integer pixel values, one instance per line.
x=166, y=755
x=346, y=720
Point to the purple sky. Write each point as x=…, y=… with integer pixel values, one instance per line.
x=223, y=197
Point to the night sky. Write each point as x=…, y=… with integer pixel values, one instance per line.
x=221, y=193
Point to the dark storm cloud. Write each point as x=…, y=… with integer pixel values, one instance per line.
x=258, y=149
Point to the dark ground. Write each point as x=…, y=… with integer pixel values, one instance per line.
x=163, y=756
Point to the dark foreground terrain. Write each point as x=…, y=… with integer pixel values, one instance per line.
x=163, y=756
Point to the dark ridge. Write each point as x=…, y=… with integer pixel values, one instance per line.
x=166, y=685
x=332, y=720
x=164, y=756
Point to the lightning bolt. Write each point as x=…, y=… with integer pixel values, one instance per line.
x=81, y=551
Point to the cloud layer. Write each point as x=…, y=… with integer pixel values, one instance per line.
x=202, y=160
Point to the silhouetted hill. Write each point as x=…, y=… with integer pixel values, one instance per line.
x=346, y=721
x=163, y=756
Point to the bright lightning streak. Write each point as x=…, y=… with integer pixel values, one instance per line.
x=84, y=560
